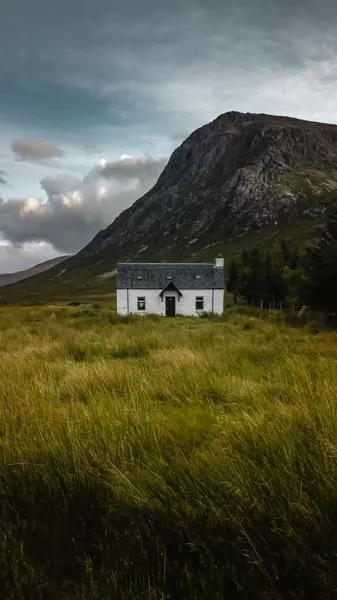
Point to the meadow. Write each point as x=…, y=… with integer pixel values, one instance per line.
x=166, y=458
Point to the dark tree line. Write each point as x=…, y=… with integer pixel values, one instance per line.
x=320, y=268
x=285, y=275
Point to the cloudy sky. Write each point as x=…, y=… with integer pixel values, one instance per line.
x=95, y=95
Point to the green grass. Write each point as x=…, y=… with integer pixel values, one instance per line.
x=311, y=183
x=166, y=459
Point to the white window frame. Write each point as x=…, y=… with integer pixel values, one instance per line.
x=199, y=299
x=141, y=300
x=139, y=276
x=198, y=276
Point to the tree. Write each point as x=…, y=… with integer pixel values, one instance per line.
x=320, y=267
x=272, y=276
x=233, y=276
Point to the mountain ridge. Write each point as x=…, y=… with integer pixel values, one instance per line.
x=241, y=179
x=10, y=278
x=261, y=130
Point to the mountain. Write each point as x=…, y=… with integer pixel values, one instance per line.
x=240, y=180
x=240, y=173
x=9, y=278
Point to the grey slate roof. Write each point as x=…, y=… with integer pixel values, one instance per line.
x=155, y=276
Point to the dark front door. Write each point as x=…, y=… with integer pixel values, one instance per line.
x=170, y=306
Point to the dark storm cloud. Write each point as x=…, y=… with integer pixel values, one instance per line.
x=152, y=67
x=105, y=48
x=121, y=75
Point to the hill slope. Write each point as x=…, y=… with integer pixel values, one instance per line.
x=241, y=179
x=9, y=278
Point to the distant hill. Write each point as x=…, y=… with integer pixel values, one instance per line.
x=241, y=180
x=9, y=278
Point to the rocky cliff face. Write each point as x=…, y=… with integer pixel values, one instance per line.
x=240, y=173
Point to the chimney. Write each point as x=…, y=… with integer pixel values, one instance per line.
x=220, y=262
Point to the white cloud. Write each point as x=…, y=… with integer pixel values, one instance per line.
x=74, y=210
x=18, y=258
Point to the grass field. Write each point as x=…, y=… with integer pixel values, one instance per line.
x=166, y=459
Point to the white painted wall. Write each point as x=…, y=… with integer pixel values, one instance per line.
x=218, y=302
x=122, y=305
x=127, y=301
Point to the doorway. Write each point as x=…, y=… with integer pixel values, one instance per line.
x=170, y=305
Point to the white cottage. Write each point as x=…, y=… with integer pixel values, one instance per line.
x=170, y=289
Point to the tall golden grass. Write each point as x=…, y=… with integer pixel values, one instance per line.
x=160, y=458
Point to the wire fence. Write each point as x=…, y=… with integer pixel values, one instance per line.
x=294, y=315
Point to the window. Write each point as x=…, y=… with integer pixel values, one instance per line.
x=198, y=276
x=139, y=276
x=168, y=276
x=199, y=303
x=141, y=303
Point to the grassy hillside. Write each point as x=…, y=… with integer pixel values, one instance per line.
x=165, y=459
x=83, y=278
